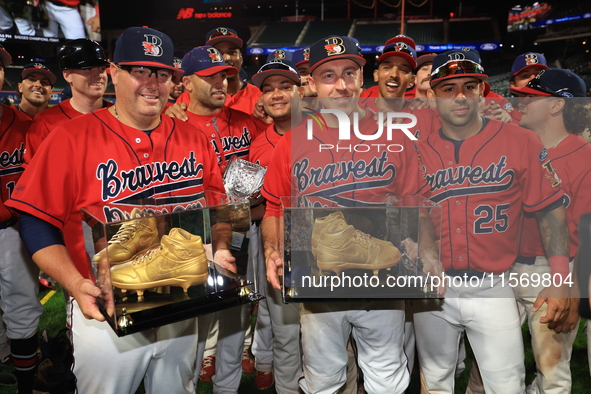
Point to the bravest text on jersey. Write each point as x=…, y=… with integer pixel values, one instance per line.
x=307, y=176
x=15, y=158
x=457, y=176
x=113, y=182
x=233, y=142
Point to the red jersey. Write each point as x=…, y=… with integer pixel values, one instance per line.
x=97, y=160
x=262, y=147
x=13, y=128
x=484, y=183
x=327, y=177
x=46, y=121
x=568, y=160
x=230, y=133
x=244, y=100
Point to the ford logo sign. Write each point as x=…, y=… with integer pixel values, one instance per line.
x=380, y=48
x=257, y=51
x=488, y=47
x=420, y=48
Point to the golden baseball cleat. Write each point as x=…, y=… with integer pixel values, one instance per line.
x=339, y=247
x=179, y=260
x=133, y=237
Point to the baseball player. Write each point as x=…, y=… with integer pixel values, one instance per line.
x=83, y=64
x=483, y=184
x=552, y=110
x=19, y=276
x=241, y=95
x=87, y=161
x=336, y=74
x=301, y=58
x=279, y=82
x=35, y=89
x=178, y=87
x=423, y=74
x=230, y=133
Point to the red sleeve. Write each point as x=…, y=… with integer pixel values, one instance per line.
x=277, y=182
x=184, y=98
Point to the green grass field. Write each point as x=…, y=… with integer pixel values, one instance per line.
x=54, y=318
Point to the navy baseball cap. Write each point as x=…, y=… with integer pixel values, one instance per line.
x=281, y=67
x=41, y=69
x=402, y=38
x=334, y=48
x=457, y=64
x=402, y=49
x=554, y=82
x=5, y=56
x=301, y=56
x=142, y=46
x=280, y=54
x=205, y=61
x=221, y=34
x=529, y=59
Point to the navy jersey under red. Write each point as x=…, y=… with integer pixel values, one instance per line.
x=484, y=185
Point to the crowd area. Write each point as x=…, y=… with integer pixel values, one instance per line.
x=511, y=176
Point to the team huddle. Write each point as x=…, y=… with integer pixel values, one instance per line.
x=510, y=182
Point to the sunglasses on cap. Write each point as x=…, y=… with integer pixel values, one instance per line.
x=223, y=34
x=457, y=67
x=535, y=84
x=277, y=66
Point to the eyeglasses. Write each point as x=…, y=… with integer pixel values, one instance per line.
x=535, y=84
x=457, y=67
x=277, y=66
x=143, y=73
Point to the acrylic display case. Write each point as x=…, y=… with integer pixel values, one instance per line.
x=169, y=261
x=383, y=248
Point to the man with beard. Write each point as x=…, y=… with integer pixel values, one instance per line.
x=35, y=89
x=230, y=133
x=484, y=173
x=178, y=88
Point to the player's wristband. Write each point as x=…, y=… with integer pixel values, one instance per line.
x=559, y=265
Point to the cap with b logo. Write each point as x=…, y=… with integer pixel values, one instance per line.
x=401, y=49
x=142, y=46
x=280, y=54
x=205, y=61
x=334, y=48
x=221, y=34
x=301, y=56
x=276, y=66
x=526, y=60
x=402, y=38
x=554, y=82
x=457, y=64
x=41, y=69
